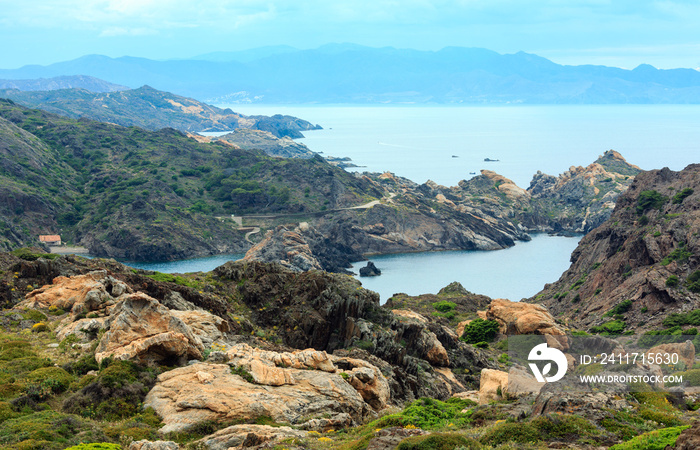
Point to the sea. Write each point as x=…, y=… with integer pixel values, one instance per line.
x=447, y=144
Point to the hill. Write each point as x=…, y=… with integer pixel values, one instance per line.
x=152, y=109
x=356, y=74
x=131, y=193
x=639, y=270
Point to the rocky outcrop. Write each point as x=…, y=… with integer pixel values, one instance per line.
x=143, y=330
x=283, y=147
x=636, y=266
x=522, y=318
x=689, y=438
x=246, y=436
x=499, y=385
x=187, y=396
x=331, y=312
x=370, y=270
x=80, y=295
x=685, y=352
x=286, y=247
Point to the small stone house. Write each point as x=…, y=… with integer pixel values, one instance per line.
x=50, y=239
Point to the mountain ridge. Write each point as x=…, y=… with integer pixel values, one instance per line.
x=357, y=74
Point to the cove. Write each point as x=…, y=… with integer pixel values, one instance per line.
x=514, y=273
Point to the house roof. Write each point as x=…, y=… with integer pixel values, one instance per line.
x=49, y=237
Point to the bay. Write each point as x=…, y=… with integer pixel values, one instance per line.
x=419, y=142
x=515, y=273
x=204, y=264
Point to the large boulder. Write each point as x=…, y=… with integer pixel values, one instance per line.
x=684, y=350
x=79, y=295
x=246, y=436
x=187, y=396
x=143, y=330
x=497, y=385
x=515, y=318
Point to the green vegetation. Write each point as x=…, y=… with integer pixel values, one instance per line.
x=444, y=306
x=680, y=254
x=612, y=327
x=479, y=330
x=650, y=200
x=28, y=255
x=679, y=319
x=429, y=414
x=127, y=185
x=681, y=195
x=653, y=440
x=693, y=282
x=620, y=308
x=672, y=281
x=439, y=441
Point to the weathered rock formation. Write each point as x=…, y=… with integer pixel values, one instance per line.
x=370, y=270
x=187, y=396
x=639, y=265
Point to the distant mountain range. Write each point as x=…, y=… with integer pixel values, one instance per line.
x=345, y=73
x=62, y=82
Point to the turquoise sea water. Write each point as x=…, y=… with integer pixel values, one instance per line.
x=515, y=273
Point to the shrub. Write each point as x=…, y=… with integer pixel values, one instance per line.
x=677, y=319
x=653, y=440
x=479, y=330
x=620, y=308
x=681, y=195
x=672, y=281
x=650, y=199
x=28, y=255
x=115, y=394
x=565, y=427
x=55, y=378
x=680, y=254
x=428, y=413
x=44, y=429
x=693, y=282
x=439, y=441
x=610, y=327
x=510, y=432
x=39, y=327
x=444, y=306
x=96, y=446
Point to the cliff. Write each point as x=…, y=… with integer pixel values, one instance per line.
x=639, y=266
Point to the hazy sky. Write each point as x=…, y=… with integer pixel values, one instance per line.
x=623, y=33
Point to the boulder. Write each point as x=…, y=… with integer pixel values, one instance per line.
x=496, y=385
x=685, y=352
x=278, y=368
x=517, y=318
x=183, y=401
x=205, y=325
x=689, y=438
x=80, y=294
x=154, y=445
x=143, y=330
x=244, y=436
x=392, y=436
x=370, y=270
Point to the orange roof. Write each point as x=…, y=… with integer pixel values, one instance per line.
x=49, y=238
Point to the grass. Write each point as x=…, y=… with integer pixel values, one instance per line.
x=653, y=440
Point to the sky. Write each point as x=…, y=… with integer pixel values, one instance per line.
x=621, y=33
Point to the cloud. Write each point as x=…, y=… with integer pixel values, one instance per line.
x=120, y=31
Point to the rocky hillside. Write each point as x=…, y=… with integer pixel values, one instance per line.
x=640, y=269
x=152, y=109
x=132, y=193
x=253, y=355
x=487, y=212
